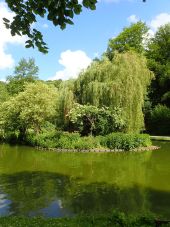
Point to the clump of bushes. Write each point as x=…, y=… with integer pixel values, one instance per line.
x=45, y=139
x=88, y=142
x=125, y=141
x=159, y=122
x=65, y=140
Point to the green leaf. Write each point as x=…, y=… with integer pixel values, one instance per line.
x=6, y=20
x=68, y=21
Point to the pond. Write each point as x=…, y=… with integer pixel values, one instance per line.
x=38, y=183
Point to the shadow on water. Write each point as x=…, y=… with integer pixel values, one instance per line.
x=57, y=195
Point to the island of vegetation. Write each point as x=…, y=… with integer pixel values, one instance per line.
x=109, y=106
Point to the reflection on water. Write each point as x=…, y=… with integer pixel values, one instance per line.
x=34, y=183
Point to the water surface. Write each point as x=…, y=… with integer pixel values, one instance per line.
x=34, y=183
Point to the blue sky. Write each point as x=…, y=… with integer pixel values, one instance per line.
x=72, y=50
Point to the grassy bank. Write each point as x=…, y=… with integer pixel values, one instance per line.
x=160, y=138
x=114, y=219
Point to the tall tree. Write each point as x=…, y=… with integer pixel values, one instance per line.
x=121, y=82
x=131, y=38
x=26, y=71
x=158, y=55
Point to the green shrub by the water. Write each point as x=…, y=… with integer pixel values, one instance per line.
x=125, y=141
x=115, y=219
x=65, y=140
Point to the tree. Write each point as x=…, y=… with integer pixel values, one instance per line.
x=29, y=109
x=121, y=83
x=131, y=38
x=65, y=102
x=3, y=92
x=25, y=72
x=60, y=12
x=88, y=119
x=159, y=120
x=158, y=54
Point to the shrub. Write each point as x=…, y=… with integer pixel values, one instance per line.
x=125, y=141
x=88, y=142
x=45, y=139
x=160, y=121
x=67, y=140
x=142, y=140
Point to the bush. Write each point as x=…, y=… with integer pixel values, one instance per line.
x=45, y=139
x=159, y=123
x=125, y=141
x=88, y=142
x=67, y=140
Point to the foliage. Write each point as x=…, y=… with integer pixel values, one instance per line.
x=25, y=72
x=62, y=140
x=159, y=121
x=159, y=62
x=64, y=102
x=3, y=92
x=59, y=12
x=121, y=83
x=114, y=218
x=29, y=109
x=65, y=140
x=131, y=38
x=44, y=139
x=125, y=141
x=56, y=83
x=87, y=142
x=89, y=119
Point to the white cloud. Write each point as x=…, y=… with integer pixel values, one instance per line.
x=159, y=20
x=7, y=60
x=154, y=24
x=74, y=62
x=132, y=19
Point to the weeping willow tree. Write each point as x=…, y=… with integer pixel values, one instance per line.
x=65, y=102
x=121, y=82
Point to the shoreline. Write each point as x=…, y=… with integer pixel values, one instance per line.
x=67, y=150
